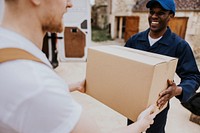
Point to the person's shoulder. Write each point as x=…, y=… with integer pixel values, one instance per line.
x=180, y=41
x=176, y=39
x=174, y=36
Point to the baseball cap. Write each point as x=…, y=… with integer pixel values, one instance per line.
x=166, y=4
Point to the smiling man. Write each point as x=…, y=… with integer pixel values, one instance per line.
x=158, y=38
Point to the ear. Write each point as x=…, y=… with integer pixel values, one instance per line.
x=36, y=2
x=171, y=15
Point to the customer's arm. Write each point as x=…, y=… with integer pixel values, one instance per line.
x=87, y=124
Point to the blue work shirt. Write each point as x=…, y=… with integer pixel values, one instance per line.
x=172, y=45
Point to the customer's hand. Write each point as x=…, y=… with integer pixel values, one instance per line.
x=145, y=119
x=79, y=86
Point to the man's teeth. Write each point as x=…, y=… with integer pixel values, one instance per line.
x=154, y=22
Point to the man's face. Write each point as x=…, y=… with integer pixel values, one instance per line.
x=53, y=14
x=158, y=18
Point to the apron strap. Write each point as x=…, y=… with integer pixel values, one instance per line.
x=9, y=54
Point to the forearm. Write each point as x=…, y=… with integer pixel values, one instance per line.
x=144, y=120
x=87, y=124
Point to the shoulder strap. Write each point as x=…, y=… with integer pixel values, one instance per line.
x=8, y=54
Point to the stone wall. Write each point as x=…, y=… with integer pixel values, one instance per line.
x=193, y=31
x=99, y=14
x=101, y=2
x=102, y=17
x=122, y=7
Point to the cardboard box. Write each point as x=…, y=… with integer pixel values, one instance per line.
x=127, y=80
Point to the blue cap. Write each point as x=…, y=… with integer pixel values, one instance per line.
x=166, y=4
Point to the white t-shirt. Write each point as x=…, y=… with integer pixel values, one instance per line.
x=33, y=98
x=152, y=41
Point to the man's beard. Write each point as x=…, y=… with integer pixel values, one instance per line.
x=53, y=27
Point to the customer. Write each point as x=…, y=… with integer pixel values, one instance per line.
x=33, y=98
x=158, y=38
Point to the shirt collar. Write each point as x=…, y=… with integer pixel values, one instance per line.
x=13, y=40
x=164, y=40
x=166, y=37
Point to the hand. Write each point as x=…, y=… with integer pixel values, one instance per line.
x=145, y=119
x=167, y=94
x=79, y=86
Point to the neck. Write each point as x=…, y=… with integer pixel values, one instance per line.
x=26, y=25
x=155, y=35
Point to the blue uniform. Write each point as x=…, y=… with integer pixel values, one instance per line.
x=171, y=45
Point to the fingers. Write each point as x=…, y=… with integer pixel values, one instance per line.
x=163, y=100
x=161, y=104
x=148, y=112
x=82, y=86
x=146, y=118
x=151, y=119
x=170, y=82
x=169, y=89
x=151, y=113
x=164, y=97
x=166, y=94
x=151, y=109
x=82, y=90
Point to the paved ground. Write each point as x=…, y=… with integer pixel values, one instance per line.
x=106, y=118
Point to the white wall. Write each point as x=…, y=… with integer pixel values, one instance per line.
x=1, y=9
